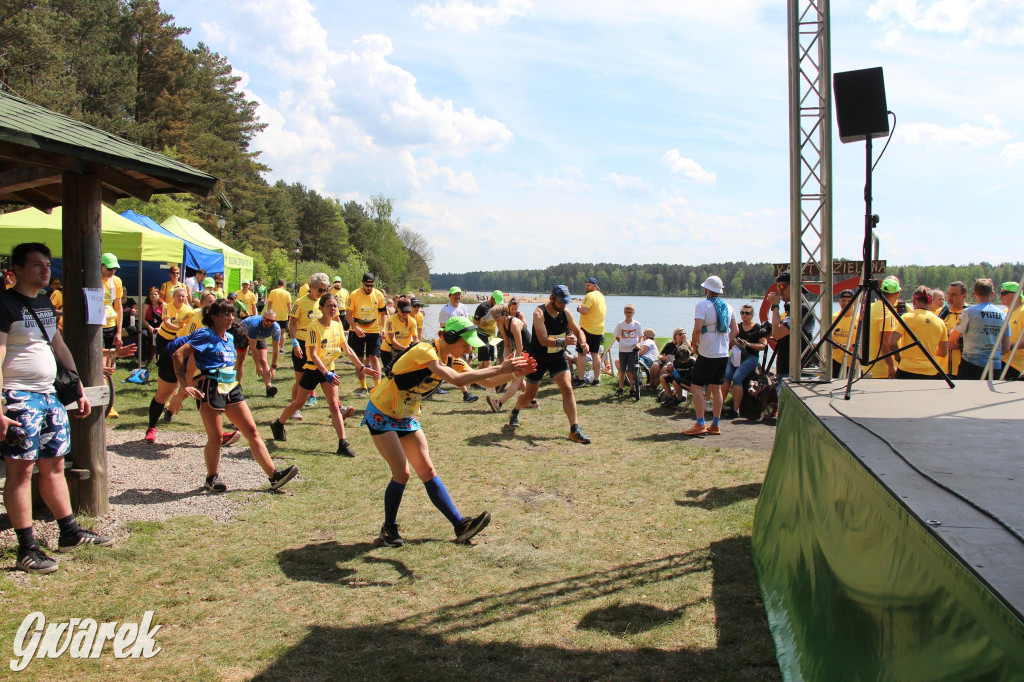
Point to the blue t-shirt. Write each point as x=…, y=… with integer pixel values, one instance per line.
x=211, y=351
x=980, y=326
x=254, y=328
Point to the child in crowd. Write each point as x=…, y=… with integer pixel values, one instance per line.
x=628, y=333
x=676, y=382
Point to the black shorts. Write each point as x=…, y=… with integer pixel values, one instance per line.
x=1013, y=374
x=594, y=342
x=387, y=358
x=554, y=366
x=485, y=353
x=628, y=360
x=311, y=378
x=364, y=346
x=165, y=367
x=261, y=344
x=108, y=337
x=970, y=371
x=298, y=363
x=214, y=398
x=709, y=371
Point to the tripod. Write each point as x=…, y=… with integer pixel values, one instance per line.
x=866, y=291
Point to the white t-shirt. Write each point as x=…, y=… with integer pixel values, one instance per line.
x=649, y=349
x=628, y=334
x=29, y=364
x=713, y=344
x=450, y=310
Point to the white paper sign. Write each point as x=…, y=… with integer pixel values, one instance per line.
x=94, y=306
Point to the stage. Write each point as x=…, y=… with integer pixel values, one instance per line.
x=868, y=569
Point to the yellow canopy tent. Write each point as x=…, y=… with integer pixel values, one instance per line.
x=237, y=265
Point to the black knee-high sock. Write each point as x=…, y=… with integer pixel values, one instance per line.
x=392, y=500
x=155, y=410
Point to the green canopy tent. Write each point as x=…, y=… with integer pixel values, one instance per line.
x=237, y=265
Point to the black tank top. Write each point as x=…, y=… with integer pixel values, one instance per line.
x=556, y=325
x=525, y=333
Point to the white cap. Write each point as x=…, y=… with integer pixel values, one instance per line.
x=714, y=283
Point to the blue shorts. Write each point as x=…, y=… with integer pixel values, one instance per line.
x=45, y=421
x=378, y=422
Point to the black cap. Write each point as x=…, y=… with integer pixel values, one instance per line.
x=846, y=292
x=405, y=307
x=368, y=277
x=414, y=301
x=783, y=278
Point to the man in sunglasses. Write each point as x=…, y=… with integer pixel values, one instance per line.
x=305, y=312
x=366, y=313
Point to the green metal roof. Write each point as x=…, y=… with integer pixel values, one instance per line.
x=30, y=125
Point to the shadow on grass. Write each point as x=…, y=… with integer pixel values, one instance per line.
x=321, y=563
x=434, y=645
x=714, y=498
x=154, y=496
x=672, y=435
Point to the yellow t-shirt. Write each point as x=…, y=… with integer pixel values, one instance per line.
x=280, y=301
x=249, y=299
x=113, y=290
x=593, y=320
x=306, y=311
x=953, y=357
x=399, y=395
x=342, y=296
x=167, y=287
x=366, y=309
x=1016, y=324
x=881, y=321
x=173, y=315
x=403, y=331
x=192, y=322
x=841, y=334
x=327, y=342
x=304, y=290
x=930, y=331
x=419, y=325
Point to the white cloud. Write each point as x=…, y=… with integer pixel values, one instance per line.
x=679, y=164
x=628, y=184
x=426, y=170
x=1013, y=152
x=215, y=34
x=464, y=16
x=987, y=21
x=570, y=181
x=965, y=134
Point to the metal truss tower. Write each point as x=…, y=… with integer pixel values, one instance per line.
x=810, y=182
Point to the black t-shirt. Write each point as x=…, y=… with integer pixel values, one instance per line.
x=752, y=336
x=782, y=345
x=669, y=350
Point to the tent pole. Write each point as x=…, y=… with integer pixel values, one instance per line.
x=138, y=322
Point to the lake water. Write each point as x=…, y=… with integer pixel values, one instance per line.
x=663, y=314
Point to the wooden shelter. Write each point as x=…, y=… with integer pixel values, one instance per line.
x=48, y=160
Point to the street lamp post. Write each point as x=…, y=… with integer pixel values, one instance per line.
x=298, y=250
x=220, y=226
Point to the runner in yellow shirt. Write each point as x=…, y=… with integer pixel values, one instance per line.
x=417, y=312
x=400, y=333
x=592, y=313
x=841, y=334
x=1015, y=360
x=248, y=297
x=280, y=301
x=305, y=312
x=883, y=323
x=366, y=313
x=340, y=293
x=325, y=344
x=167, y=287
x=113, y=318
x=914, y=362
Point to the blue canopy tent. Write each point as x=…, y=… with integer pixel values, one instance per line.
x=196, y=256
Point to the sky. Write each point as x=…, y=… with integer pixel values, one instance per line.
x=518, y=134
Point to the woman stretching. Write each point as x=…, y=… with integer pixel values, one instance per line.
x=325, y=344
x=391, y=418
x=217, y=393
x=515, y=337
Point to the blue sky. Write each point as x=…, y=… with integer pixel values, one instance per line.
x=519, y=134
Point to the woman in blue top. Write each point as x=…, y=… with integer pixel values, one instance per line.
x=217, y=392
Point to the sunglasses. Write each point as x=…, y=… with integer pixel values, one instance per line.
x=320, y=288
x=746, y=312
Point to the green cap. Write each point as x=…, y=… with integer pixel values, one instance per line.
x=454, y=290
x=498, y=296
x=336, y=279
x=1009, y=286
x=465, y=329
x=891, y=285
x=110, y=260
x=208, y=283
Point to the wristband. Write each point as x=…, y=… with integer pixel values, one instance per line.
x=775, y=306
x=559, y=343
x=295, y=343
x=330, y=376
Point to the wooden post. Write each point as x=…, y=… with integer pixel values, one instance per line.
x=82, y=243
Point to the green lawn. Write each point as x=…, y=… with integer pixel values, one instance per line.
x=625, y=559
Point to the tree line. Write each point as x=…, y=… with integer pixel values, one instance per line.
x=121, y=66
x=741, y=279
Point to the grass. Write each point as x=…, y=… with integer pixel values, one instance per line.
x=625, y=559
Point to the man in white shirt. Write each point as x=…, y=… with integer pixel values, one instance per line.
x=453, y=308
x=713, y=330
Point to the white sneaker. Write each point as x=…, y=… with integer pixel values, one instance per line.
x=298, y=416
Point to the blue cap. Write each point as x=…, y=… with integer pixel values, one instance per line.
x=561, y=293
x=592, y=280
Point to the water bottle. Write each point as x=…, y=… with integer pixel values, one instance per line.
x=16, y=436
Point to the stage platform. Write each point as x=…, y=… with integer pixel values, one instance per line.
x=869, y=569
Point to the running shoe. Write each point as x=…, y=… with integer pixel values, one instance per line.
x=696, y=430
x=215, y=484
x=344, y=449
x=513, y=419
x=714, y=430
x=151, y=434
x=493, y=404
x=34, y=560
x=389, y=536
x=277, y=428
x=362, y=392
x=708, y=407
x=441, y=391
x=576, y=435
x=595, y=382
x=282, y=476
x=310, y=401
x=468, y=397
x=532, y=406
x=168, y=416
x=729, y=413
x=346, y=411
x=83, y=537
x=578, y=383
x=229, y=438
x=471, y=527
x=271, y=391
x=618, y=393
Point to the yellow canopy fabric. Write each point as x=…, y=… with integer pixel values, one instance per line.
x=125, y=239
x=237, y=265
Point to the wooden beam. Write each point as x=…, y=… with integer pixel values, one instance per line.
x=36, y=199
x=110, y=196
x=35, y=157
x=82, y=248
x=124, y=183
x=27, y=177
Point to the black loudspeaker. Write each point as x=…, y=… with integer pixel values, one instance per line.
x=860, y=104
